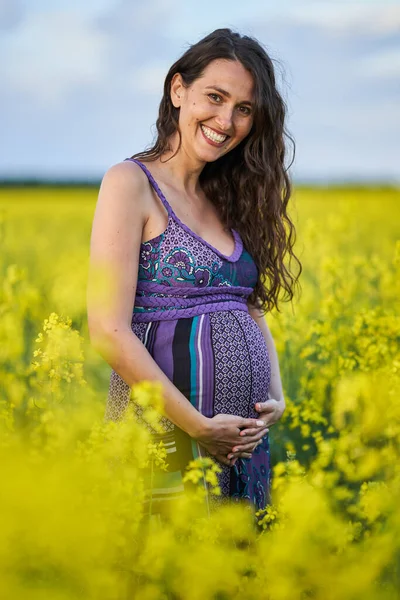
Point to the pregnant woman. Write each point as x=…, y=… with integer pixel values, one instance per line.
x=194, y=231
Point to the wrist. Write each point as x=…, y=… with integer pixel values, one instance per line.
x=200, y=428
x=282, y=405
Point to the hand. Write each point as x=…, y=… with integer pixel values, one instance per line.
x=223, y=432
x=245, y=451
x=270, y=412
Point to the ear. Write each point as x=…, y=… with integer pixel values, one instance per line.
x=177, y=90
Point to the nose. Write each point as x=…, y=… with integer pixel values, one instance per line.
x=224, y=118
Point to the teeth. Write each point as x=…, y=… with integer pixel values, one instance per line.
x=215, y=137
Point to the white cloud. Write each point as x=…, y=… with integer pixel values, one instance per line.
x=149, y=14
x=146, y=19
x=149, y=79
x=382, y=65
x=52, y=54
x=379, y=18
x=11, y=14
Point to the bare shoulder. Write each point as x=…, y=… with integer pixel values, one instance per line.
x=121, y=213
x=126, y=185
x=115, y=247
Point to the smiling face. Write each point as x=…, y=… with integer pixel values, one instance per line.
x=216, y=111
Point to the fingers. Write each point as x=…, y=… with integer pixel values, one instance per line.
x=251, y=423
x=225, y=460
x=238, y=455
x=242, y=455
x=245, y=448
x=239, y=451
x=244, y=451
x=253, y=432
x=251, y=439
x=265, y=406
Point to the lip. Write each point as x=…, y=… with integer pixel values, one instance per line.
x=211, y=142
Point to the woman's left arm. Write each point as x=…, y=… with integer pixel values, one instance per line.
x=271, y=410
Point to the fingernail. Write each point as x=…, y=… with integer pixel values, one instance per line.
x=260, y=423
x=235, y=449
x=257, y=407
x=230, y=456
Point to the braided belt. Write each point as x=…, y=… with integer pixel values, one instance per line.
x=157, y=302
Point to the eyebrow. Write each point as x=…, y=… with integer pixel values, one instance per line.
x=225, y=93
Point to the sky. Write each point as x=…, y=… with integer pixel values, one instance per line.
x=82, y=81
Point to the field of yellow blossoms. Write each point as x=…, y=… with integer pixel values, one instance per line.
x=72, y=489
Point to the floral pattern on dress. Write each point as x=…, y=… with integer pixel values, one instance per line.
x=167, y=260
x=177, y=267
x=149, y=256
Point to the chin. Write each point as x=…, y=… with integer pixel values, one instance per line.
x=210, y=159
x=212, y=154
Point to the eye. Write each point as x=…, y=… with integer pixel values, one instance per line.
x=214, y=97
x=247, y=110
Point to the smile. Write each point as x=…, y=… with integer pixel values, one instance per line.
x=212, y=136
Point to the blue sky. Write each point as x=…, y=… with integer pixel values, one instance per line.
x=81, y=81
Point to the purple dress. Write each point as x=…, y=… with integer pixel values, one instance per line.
x=191, y=314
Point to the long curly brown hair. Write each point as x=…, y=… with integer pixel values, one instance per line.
x=249, y=185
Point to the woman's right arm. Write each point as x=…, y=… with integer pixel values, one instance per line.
x=117, y=229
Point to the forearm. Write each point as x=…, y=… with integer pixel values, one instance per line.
x=128, y=357
x=275, y=388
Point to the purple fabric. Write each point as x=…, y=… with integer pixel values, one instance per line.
x=179, y=313
x=185, y=302
x=205, y=369
x=149, y=286
x=162, y=347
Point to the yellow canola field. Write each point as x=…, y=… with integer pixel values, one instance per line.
x=71, y=516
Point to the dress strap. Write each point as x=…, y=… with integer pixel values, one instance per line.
x=154, y=184
x=237, y=252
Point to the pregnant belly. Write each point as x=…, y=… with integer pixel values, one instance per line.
x=241, y=363
x=219, y=361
